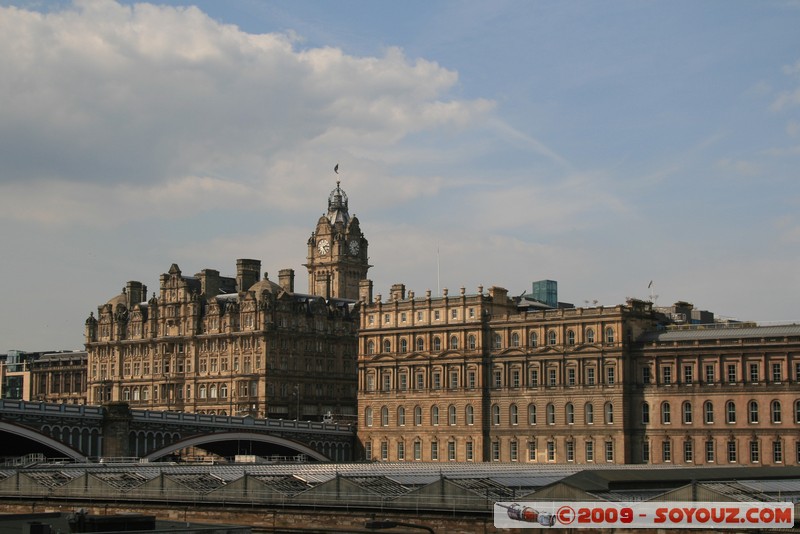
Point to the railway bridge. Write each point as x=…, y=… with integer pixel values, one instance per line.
x=115, y=430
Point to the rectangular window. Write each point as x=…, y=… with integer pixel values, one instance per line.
x=368, y=450
x=403, y=381
x=513, y=450
x=731, y=373
x=753, y=372
x=434, y=450
x=610, y=376
x=709, y=374
x=732, y=451
x=645, y=451
x=401, y=451
x=777, y=452
x=437, y=380
x=776, y=372
x=418, y=450
x=590, y=376
x=666, y=375
x=710, y=451
x=384, y=451
x=609, y=451
x=471, y=379
x=436, y=315
x=666, y=452
x=454, y=313
x=472, y=313
x=469, y=451
x=498, y=379
x=419, y=316
x=453, y=379
x=688, y=374
x=571, y=376
x=551, y=377
x=420, y=381
x=645, y=375
x=495, y=451
x=403, y=317
x=532, y=451
x=688, y=452
x=451, y=451
x=515, y=381
x=570, y=451
x=551, y=451
x=590, y=451
x=387, y=381
x=534, y=378
x=754, y=456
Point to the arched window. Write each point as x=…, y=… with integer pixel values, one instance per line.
x=609, y=411
x=136, y=393
x=708, y=410
x=387, y=345
x=213, y=391
x=417, y=416
x=752, y=410
x=370, y=347
x=534, y=340
x=368, y=416
x=645, y=413
x=126, y=394
x=403, y=345
x=775, y=408
x=420, y=344
x=451, y=415
x=687, y=413
x=609, y=335
x=203, y=391
x=470, y=414
x=401, y=416
x=588, y=413
x=513, y=414
x=730, y=412
x=495, y=414
x=437, y=343
x=570, y=337
x=515, y=339
x=145, y=393
x=497, y=341
x=223, y=391
x=531, y=414
x=453, y=342
x=570, y=413
x=384, y=416
x=590, y=335
x=666, y=415
x=471, y=342
x=551, y=337
x=434, y=415
x=551, y=414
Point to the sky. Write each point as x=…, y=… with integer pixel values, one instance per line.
x=605, y=145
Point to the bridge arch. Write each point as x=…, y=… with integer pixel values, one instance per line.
x=44, y=440
x=199, y=441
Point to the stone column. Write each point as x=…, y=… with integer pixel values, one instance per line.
x=117, y=419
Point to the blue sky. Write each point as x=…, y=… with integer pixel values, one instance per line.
x=600, y=144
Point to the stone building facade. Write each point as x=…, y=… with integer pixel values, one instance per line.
x=59, y=377
x=484, y=377
x=238, y=345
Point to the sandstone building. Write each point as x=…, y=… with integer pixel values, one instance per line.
x=483, y=377
x=242, y=345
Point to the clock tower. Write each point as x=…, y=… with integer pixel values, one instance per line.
x=337, y=252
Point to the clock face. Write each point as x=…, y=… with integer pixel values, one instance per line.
x=354, y=247
x=324, y=247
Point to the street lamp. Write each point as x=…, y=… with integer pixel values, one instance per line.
x=297, y=394
x=374, y=524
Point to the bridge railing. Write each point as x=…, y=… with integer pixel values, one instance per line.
x=237, y=422
x=20, y=406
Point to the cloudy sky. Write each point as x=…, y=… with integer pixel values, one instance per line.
x=599, y=144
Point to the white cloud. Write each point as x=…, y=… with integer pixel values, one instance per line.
x=105, y=93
